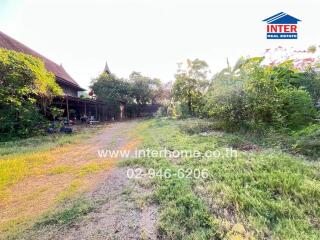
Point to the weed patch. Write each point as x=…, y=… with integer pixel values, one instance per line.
x=257, y=194
x=67, y=214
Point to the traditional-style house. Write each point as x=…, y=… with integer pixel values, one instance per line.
x=70, y=101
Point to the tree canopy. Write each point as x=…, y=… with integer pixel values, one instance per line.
x=110, y=88
x=191, y=83
x=137, y=89
x=250, y=95
x=23, y=80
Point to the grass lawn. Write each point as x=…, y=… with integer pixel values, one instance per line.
x=255, y=193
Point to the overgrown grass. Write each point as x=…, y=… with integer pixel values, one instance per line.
x=259, y=193
x=305, y=141
x=67, y=213
x=195, y=126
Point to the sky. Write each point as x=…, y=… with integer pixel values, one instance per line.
x=151, y=36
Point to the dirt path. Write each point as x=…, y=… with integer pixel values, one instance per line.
x=119, y=214
x=122, y=213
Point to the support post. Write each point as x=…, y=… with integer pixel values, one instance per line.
x=103, y=117
x=99, y=112
x=96, y=112
x=68, y=114
x=85, y=109
x=121, y=110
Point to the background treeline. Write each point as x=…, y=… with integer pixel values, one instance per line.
x=270, y=99
x=134, y=91
x=249, y=96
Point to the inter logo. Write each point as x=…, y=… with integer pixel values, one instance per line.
x=282, y=26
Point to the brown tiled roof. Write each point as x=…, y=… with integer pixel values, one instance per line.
x=61, y=74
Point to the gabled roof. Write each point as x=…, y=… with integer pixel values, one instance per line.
x=61, y=74
x=281, y=18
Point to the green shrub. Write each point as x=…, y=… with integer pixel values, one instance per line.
x=182, y=110
x=229, y=108
x=308, y=141
x=178, y=110
x=260, y=98
x=298, y=108
x=310, y=81
x=25, y=87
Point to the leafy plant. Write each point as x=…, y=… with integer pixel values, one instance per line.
x=259, y=97
x=56, y=112
x=25, y=89
x=190, y=84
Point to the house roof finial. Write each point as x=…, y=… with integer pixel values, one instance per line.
x=106, y=68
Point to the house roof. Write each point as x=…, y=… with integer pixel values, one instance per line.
x=281, y=18
x=60, y=73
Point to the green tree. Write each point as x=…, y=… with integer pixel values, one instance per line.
x=135, y=91
x=24, y=83
x=113, y=90
x=110, y=88
x=191, y=83
x=144, y=89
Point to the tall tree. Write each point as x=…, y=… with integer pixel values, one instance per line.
x=110, y=88
x=191, y=83
x=144, y=89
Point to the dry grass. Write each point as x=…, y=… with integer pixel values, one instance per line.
x=32, y=183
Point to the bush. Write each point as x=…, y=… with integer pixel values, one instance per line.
x=308, y=141
x=25, y=87
x=298, y=108
x=177, y=110
x=262, y=97
x=310, y=81
x=182, y=110
x=229, y=108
